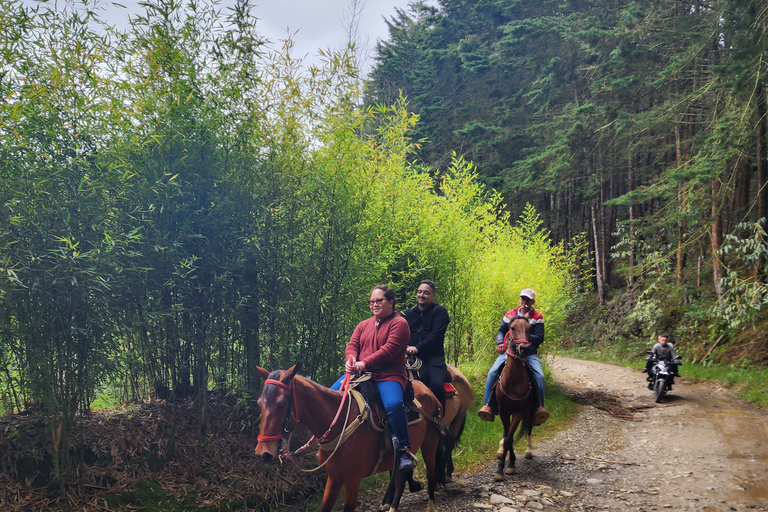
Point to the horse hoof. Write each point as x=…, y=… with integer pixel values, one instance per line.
x=498, y=477
x=509, y=471
x=431, y=506
x=384, y=508
x=528, y=455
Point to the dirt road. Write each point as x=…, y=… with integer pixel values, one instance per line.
x=698, y=450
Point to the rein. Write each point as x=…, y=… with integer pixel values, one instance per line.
x=293, y=412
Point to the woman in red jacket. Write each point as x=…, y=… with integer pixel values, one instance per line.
x=378, y=345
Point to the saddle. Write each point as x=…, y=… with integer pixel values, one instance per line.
x=372, y=413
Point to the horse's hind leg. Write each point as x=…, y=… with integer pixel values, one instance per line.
x=528, y=446
x=499, y=475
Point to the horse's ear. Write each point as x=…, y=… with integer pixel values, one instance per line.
x=290, y=372
x=264, y=373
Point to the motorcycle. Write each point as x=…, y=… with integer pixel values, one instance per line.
x=661, y=376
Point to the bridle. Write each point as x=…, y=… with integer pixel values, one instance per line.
x=290, y=414
x=514, y=354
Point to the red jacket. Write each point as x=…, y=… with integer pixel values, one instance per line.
x=381, y=347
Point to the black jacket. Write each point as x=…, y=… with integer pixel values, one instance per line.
x=428, y=329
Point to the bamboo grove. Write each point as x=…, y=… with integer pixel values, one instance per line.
x=642, y=124
x=181, y=201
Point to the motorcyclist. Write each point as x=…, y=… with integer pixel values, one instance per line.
x=662, y=350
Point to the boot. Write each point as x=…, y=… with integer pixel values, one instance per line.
x=407, y=462
x=485, y=413
x=540, y=417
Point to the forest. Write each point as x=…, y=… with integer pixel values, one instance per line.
x=640, y=126
x=183, y=200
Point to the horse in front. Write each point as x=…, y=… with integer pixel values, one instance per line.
x=349, y=450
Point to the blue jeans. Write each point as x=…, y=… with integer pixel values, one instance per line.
x=392, y=396
x=493, y=376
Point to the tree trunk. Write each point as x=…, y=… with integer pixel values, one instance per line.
x=762, y=163
x=598, y=266
x=716, y=236
x=631, y=274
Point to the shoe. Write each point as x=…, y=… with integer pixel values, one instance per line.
x=407, y=462
x=645, y=370
x=485, y=413
x=540, y=417
x=650, y=386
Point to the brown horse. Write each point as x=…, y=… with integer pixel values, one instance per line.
x=515, y=397
x=456, y=407
x=288, y=399
x=454, y=417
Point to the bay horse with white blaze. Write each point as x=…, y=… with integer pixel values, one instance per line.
x=515, y=397
x=288, y=399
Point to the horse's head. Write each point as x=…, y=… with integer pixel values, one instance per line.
x=277, y=404
x=518, y=337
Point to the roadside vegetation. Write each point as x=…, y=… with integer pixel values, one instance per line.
x=182, y=200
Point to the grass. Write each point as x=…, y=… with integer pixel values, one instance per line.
x=746, y=381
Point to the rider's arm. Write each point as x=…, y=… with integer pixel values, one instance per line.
x=353, y=346
x=536, y=335
x=503, y=329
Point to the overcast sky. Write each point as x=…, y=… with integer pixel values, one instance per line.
x=312, y=24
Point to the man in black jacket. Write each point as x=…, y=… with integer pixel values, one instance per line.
x=428, y=321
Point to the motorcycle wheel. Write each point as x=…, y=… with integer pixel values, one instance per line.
x=660, y=390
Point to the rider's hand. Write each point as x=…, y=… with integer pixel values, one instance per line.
x=349, y=366
x=500, y=348
x=359, y=366
x=411, y=351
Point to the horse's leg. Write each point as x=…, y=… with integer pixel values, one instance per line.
x=400, y=479
x=332, y=488
x=429, y=448
x=413, y=484
x=351, y=490
x=509, y=443
x=499, y=475
x=387, y=500
x=528, y=446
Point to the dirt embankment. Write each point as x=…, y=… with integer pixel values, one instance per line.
x=698, y=450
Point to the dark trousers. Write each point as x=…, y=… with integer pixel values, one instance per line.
x=432, y=373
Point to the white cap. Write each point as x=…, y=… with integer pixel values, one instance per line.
x=527, y=292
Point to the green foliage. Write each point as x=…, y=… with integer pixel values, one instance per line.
x=746, y=295
x=181, y=202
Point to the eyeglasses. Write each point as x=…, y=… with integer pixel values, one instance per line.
x=375, y=301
